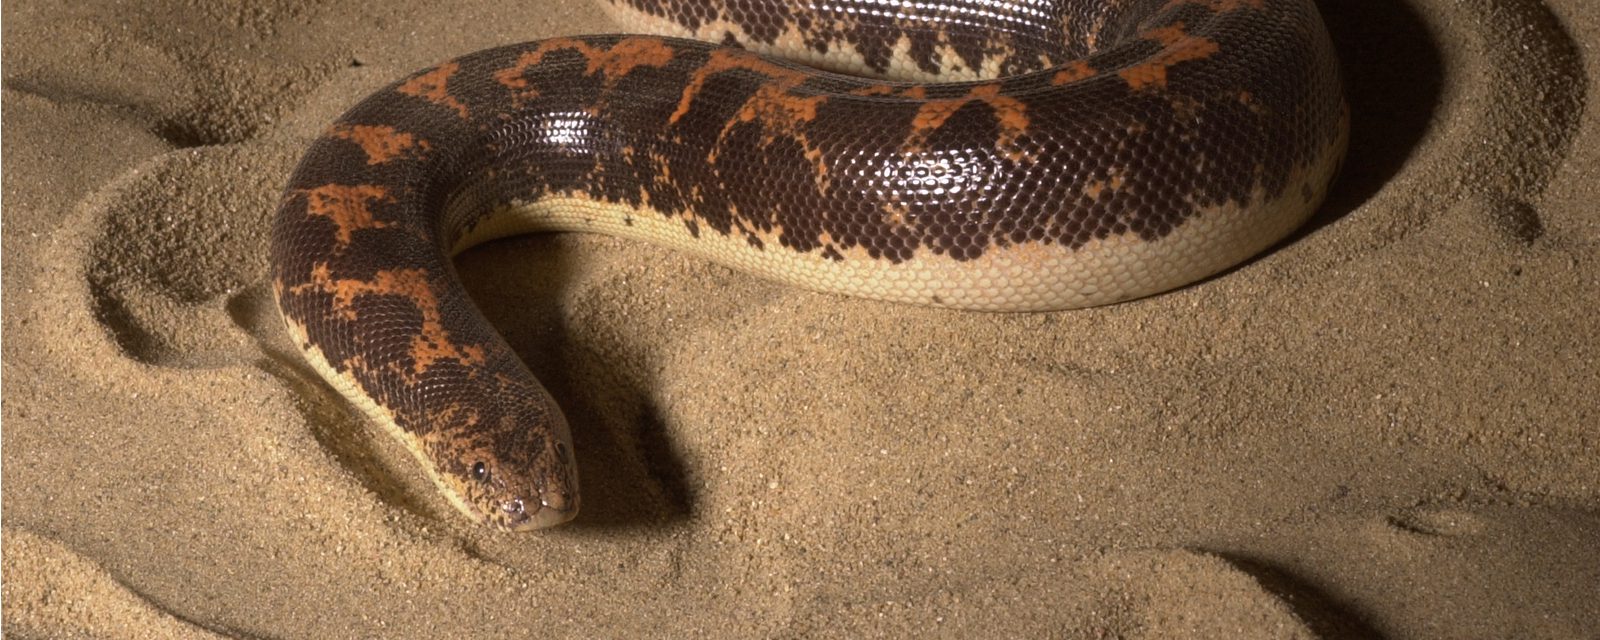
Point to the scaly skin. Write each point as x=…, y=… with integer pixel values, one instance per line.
x=1150, y=144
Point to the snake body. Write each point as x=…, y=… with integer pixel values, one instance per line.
x=995, y=155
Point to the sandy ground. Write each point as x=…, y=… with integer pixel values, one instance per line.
x=1385, y=427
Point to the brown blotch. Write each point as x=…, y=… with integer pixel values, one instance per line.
x=1177, y=47
x=434, y=86
x=431, y=343
x=455, y=415
x=381, y=143
x=347, y=206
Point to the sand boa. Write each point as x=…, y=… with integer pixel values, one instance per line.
x=1090, y=153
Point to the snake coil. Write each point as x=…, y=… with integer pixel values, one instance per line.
x=1002, y=155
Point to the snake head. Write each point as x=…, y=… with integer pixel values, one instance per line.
x=516, y=475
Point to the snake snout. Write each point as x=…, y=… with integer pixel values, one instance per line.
x=549, y=509
x=560, y=501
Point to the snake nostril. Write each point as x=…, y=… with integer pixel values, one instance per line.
x=513, y=507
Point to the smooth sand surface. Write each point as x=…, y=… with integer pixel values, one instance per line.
x=1385, y=427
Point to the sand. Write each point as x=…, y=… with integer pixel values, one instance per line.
x=1386, y=426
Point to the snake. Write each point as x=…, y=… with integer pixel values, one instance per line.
x=988, y=155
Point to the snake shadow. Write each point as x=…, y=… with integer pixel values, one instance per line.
x=359, y=447
x=1394, y=75
x=630, y=473
x=1394, y=78
x=1322, y=612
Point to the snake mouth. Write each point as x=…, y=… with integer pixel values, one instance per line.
x=551, y=509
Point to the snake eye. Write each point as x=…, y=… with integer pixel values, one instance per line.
x=480, y=472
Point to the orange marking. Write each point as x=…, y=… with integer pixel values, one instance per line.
x=381, y=143
x=772, y=97
x=1096, y=188
x=434, y=86
x=914, y=92
x=1009, y=112
x=614, y=63
x=776, y=105
x=1093, y=189
x=874, y=90
x=1177, y=46
x=348, y=206
x=432, y=341
x=773, y=105
x=628, y=54
x=1073, y=72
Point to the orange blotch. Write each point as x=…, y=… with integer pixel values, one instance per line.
x=431, y=343
x=773, y=96
x=1009, y=112
x=1072, y=72
x=613, y=63
x=774, y=105
x=629, y=54
x=514, y=76
x=874, y=90
x=434, y=86
x=381, y=143
x=348, y=206
x=1094, y=189
x=1177, y=47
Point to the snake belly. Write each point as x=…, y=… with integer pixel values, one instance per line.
x=1012, y=155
